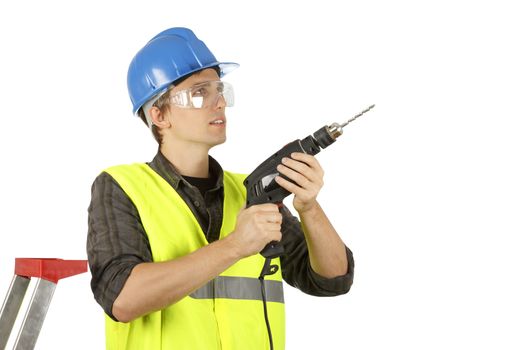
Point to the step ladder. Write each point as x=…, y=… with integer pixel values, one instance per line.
x=47, y=273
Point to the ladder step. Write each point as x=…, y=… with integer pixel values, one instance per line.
x=49, y=269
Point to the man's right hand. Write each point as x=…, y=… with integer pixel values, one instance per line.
x=256, y=227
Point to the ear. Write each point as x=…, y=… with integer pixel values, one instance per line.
x=158, y=118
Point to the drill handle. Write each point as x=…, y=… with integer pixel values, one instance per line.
x=274, y=249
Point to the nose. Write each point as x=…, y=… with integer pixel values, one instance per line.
x=220, y=102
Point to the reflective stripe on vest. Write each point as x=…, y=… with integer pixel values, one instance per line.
x=240, y=288
x=226, y=313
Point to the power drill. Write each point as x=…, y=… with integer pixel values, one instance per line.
x=261, y=186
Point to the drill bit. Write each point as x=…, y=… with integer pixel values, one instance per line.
x=357, y=116
x=326, y=135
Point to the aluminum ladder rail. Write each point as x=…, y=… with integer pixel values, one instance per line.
x=47, y=273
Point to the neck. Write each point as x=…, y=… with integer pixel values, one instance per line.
x=191, y=161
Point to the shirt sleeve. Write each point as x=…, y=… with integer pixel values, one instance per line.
x=295, y=263
x=116, y=240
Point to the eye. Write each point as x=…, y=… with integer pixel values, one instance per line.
x=199, y=92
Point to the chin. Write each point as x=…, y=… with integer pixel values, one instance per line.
x=216, y=141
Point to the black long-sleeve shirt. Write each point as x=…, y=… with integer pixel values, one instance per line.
x=117, y=241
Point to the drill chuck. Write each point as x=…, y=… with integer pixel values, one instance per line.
x=325, y=136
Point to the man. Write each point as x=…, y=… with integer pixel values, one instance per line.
x=174, y=254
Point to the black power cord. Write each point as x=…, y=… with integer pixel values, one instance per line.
x=267, y=271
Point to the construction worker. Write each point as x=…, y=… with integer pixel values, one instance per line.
x=173, y=252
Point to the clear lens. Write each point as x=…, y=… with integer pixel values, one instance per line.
x=204, y=95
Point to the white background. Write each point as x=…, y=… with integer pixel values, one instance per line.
x=427, y=189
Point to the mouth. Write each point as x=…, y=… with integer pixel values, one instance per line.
x=218, y=122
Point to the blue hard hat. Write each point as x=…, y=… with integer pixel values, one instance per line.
x=169, y=56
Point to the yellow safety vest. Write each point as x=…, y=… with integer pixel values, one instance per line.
x=227, y=313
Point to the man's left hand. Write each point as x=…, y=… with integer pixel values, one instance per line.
x=307, y=173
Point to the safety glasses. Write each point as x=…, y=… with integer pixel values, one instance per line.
x=203, y=95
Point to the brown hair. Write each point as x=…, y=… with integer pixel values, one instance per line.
x=161, y=104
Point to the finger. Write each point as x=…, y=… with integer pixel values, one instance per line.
x=290, y=187
x=293, y=175
x=274, y=227
x=296, y=165
x=303, y=168
x=276, y=235
x=272, y=234
x=273, y=218
x=306, y=158
x=310, y=160
x=266, y=207
x=264, y=218
x=313, y=185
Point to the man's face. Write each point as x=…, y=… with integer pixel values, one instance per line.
x=198, y=126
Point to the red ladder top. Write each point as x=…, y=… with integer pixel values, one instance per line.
x=49, y=269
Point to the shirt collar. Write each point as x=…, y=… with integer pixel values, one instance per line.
x=165, y=169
